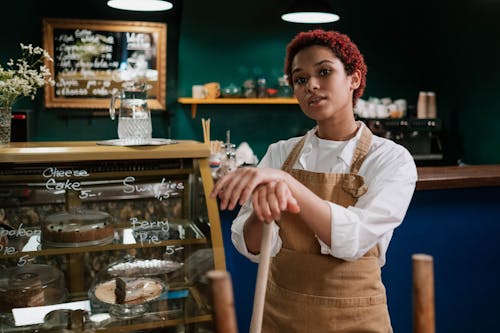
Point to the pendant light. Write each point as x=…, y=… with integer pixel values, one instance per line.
x=310, y=11
x=141, y=5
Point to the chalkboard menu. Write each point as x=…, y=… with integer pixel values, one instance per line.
x=94, y=59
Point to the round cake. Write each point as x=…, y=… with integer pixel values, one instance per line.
x=76, y=227
x=30, y=285
x=128, y=290
x=27, y=290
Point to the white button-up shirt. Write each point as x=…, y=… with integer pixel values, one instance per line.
x=389, y=173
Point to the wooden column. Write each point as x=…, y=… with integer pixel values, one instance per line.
x=423, y=294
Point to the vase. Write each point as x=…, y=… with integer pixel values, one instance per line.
x=5, y=124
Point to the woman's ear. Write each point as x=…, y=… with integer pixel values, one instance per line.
x=355, y=79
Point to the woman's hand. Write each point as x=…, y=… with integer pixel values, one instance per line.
x=238, y=186
x=272, y=198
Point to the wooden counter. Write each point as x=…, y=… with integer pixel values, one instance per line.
x=446, y=177
x=34, y=152
x=441, y=177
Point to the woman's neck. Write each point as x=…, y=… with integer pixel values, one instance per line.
x=337, y=131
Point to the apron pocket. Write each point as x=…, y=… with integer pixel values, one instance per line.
x=336, y=302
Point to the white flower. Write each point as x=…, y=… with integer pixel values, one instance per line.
x=24, y=76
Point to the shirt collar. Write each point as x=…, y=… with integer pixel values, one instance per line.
x=346, y=153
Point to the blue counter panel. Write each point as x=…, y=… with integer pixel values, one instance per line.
x=243, y=274
x=460, y=228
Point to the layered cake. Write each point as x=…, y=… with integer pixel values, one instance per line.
x=128, y=290
x=31, y=285
x=82, y=226
x=27, y=290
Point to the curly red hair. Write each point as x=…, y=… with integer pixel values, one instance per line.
x=342, y=47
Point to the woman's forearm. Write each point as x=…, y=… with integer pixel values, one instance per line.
x=252, y=232
x=314, y=211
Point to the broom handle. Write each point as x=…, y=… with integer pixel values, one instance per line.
x=223, y=301
x=261, y=283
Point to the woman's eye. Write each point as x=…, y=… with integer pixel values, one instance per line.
x=299, y=80
x=324, y=72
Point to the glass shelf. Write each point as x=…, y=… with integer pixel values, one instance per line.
x=125, y=238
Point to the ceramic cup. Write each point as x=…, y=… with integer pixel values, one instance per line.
x=212, y=89
x=381, y=111
x=199, y=91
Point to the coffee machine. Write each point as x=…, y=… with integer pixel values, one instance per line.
x=422, y=137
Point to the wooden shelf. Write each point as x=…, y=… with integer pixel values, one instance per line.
x=195, y=101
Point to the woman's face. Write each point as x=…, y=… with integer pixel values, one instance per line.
x=321, y=85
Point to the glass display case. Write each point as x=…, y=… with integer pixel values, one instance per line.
x=107, y=238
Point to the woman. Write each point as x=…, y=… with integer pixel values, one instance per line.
x=336, y=195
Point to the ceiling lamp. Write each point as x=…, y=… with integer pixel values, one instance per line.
x=312, y=11
x=141, y=5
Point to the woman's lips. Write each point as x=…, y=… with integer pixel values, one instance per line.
x=315, y=100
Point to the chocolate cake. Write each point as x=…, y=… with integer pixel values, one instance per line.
x=27, y=290
x=78, y=227
x=76, y=232
x=30, y=285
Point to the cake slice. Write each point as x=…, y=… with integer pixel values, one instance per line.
x=135, y=291
x=120, y=290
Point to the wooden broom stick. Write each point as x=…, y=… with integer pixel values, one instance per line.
x=223, y=301
x=208, y=131
x=261, y=283
x=423, y=294
x=205, y=124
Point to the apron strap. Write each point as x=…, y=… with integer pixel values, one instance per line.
x=294, y=154
x=362, y=148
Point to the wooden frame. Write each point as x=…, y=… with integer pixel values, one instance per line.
x=93, y=58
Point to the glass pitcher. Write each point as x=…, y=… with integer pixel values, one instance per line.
x=134, y=116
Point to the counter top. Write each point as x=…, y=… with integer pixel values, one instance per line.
x=35, y=152
x=439, y=177
x=447, y=177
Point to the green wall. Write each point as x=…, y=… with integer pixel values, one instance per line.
x=243, y=40
x=25, y=25
x=409, y=46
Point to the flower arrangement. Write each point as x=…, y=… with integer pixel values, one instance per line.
x=24, y=76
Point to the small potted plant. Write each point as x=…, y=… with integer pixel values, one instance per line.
x=19, y=79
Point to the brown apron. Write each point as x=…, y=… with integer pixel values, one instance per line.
x=311, y=292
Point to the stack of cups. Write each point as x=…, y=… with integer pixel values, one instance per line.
x=426, y=105
x=431, y=105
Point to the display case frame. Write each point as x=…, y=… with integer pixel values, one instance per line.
x=22, y=185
